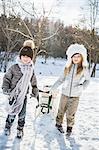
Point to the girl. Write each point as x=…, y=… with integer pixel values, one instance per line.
x=74, y=79
x=16, y=85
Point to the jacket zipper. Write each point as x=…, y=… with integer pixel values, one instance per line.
x=71, y=81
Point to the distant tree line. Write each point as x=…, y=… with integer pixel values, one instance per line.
x=61, y=36
x=56, y=46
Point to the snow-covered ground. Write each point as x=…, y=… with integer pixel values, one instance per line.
x=40, y=132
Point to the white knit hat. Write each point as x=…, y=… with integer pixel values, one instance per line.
x=76, y=48
x=29, y=43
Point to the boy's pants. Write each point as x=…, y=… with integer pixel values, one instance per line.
x=68, y=105
x=21, y=117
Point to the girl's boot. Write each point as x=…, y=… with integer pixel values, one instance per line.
x=69, y=131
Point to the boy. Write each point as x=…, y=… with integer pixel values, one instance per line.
x=16, y=85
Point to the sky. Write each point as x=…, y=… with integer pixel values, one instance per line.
x=68, y=11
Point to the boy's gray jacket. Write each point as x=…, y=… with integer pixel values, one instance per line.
x=73, y=84
x=12, y=77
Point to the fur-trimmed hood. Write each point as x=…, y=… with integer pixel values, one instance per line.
x=76, y=48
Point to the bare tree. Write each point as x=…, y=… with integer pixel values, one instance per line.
x=93, y=11
x=41, y=33
x=11, y=39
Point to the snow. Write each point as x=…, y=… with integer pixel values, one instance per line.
x=40, y=132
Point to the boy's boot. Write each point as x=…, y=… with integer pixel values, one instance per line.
x=69, y=131
x=19, y=133
x=59, y=127
x=7, y=131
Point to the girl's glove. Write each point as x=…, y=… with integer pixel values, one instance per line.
x=32, y=95
x=47, y=92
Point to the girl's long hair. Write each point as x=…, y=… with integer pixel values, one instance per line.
x=79, y=68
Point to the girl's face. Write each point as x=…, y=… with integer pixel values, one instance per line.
x=25, y=59
x=77, y=59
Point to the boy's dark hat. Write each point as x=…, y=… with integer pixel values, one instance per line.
x=26, y=51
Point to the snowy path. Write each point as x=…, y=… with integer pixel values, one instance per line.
x=41, y=134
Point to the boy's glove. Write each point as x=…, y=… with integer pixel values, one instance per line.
x=6, y=92
x=11, y=101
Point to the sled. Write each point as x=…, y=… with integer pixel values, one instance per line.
x=45, y=100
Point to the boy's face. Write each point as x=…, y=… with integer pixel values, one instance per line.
x=25, y=59
x=77, y=58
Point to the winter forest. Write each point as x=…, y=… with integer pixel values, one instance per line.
x=20, y=21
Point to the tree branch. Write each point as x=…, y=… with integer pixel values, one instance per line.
x=20, y=33
x=24, y=25
x=44, y=51
x=49, y=36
